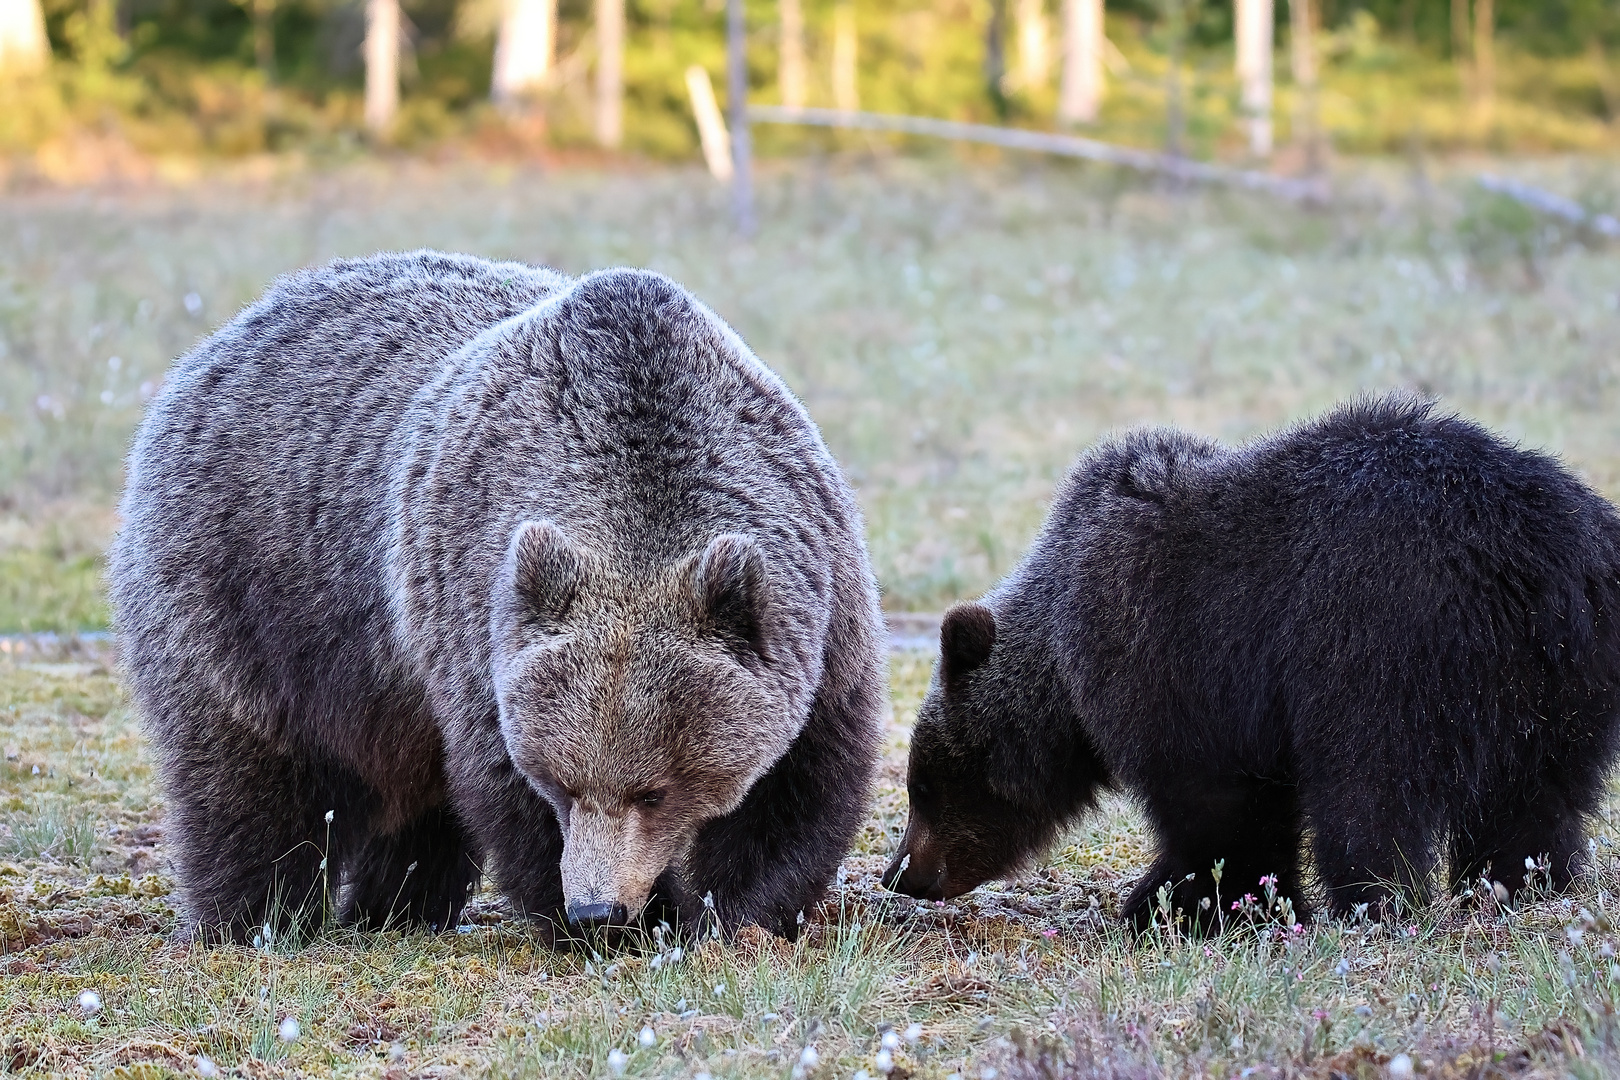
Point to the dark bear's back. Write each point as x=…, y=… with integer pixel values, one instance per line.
x=1460, y=589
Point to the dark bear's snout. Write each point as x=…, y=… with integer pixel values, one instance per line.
x=919, y=869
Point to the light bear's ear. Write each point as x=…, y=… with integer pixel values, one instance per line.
x=546, y=570
x=732, y=590
x=966, y=636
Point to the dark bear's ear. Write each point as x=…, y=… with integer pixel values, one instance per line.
x=546, y=570
x=966, y=637
x=732, y=590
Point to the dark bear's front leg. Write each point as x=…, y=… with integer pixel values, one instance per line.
x=1251, y=828
x=419, y=876
x=775, y=854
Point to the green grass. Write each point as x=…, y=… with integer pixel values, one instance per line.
x=960, y=334
x=1018, y=976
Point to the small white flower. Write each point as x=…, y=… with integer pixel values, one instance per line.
x=329, y=814
x=890, y=1041
x=675, y=954
x=193, y=304
x=680, y=1006
x=1400, y=1066
x=719, y=989
x=617, y=1060
x=913, y=1033
x=703, y=1074
x=396, y=1052
x=89, y=1002
x=288, y=1030
x=884, y=1061
x=861, y=1074
x=809, y=1058
x=1342, y=967
x=708, y=899
x=656, y=962
x=647, y=1038
x=206, y=1067
x=987, y=1073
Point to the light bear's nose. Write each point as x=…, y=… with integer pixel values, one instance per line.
x=592, y=916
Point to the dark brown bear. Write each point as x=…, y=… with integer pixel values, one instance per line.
x=1387, y=628
x=432, y=565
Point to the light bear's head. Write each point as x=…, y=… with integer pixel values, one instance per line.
x=640, y=703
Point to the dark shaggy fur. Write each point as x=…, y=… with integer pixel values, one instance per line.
x=1385, y=628
x=503, y=570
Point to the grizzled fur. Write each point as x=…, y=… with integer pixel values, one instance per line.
x=503, y=570
x=1385, y=628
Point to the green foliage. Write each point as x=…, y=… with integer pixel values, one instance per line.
x=172, y=77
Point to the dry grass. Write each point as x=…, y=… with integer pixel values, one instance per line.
x=1020, y=977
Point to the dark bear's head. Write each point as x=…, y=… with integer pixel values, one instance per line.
x=980, y=780
x=639, y=708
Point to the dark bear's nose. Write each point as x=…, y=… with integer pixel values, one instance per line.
x=590, y=916
x=907, y=876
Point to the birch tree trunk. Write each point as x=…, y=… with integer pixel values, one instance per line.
x=1302, y=56
x=1034, y=50
x=524, y=48
x=846, y=93
x=382, y=64
x=1255, y=31
x=264, y=37
x=1484, y=58
x=790, y=64
x=1081, y=89
x=1462, y=44
x=23, y=45
x=610, y=73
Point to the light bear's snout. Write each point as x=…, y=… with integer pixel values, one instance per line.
x=608, y=868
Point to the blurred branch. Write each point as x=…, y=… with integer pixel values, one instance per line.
x=1557, y=206
x=1309, y=190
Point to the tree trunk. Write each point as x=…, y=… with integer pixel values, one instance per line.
x=1484, y=57
x=1255, y=28
x=790, y=64
x=1080, y=95
x=264, y=37
x=524, y=48
x=1302, y=57
x=1034, y=52
x=1461, y=44
x=742, y=168
x=23, y=45
x=1175, y=121
x=995, y=56
x=382, y=64
x=846, y=94
x=610, y=73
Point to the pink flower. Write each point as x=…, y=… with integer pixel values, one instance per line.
x=1048, y=934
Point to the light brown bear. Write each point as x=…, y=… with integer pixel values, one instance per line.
x=432, y=565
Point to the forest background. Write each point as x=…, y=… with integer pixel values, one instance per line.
x=164, y=81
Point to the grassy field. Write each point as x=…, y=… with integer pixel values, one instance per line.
x=960, y=331
x=1024, y=979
